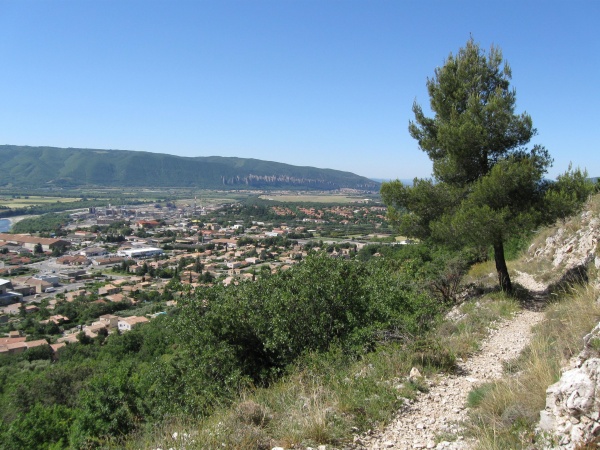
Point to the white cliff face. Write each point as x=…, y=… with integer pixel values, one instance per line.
x=567, y=249
x=572, y=413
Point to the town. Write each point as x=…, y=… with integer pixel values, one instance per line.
x=112, y=269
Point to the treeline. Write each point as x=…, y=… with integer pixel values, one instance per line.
x=47, y=223
x=220, y=340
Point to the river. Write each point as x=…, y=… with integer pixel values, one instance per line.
x=4, y=225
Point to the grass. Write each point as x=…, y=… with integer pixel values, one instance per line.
x=34, y=200
x=462, y=337
x=505, y=412
x=540, y=267
x=483, y=273
x=320, y=402
x=310, y=198
x=326, y=398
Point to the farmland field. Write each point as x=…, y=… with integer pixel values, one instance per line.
x=311, y=198
x=34, y=200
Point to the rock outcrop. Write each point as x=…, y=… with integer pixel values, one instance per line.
x=571, y=247
x=572, y=413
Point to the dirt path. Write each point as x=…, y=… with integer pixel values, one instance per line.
x=438, y=413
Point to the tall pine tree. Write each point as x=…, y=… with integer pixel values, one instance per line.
x=486, y=185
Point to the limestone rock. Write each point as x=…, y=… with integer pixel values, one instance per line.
x=414, y=374
x=572, y=406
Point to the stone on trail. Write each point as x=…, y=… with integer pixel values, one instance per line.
x=414, y=374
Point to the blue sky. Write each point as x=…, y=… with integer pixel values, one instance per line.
x=317, y=83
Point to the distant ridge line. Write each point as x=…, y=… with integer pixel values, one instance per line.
x=37, y=167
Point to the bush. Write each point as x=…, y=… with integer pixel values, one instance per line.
x=43, y=427
x=252, y=332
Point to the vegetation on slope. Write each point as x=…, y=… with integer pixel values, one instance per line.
x=70, y=167
x=220, y=342
x=302, y=357
x=505, y=413
x=309, y=355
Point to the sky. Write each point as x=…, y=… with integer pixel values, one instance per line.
x=321, y=83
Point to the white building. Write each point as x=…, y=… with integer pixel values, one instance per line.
x=52, y=279
x=141, y=252
x=128, y=323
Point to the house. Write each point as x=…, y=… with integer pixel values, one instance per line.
x=77, y=260
x=5, y=285
x=12, y=340
x=30, y=242
x=230, y=244
x=234, y=264
x=72, y=274
x=56, y=347
x=31, y=309
x=116, y=298
x=57, y=319
x=38, y=285
x=38, y=343
x=93, y=251
x=110, y=320
x=93, y=329
x=70, y=296
x=140, y=252
x=52, y=279
x=109, y=289
x=129, y=323
x=109, y=260
x=18, y=345
x=81, y=236
x=129, y=288
x=147, y=223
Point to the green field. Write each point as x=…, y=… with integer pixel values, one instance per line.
x=34, y=200
x=311, y=198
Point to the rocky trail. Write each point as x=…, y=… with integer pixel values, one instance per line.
x=433, y=419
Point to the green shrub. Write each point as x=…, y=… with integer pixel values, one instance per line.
x=252, y=332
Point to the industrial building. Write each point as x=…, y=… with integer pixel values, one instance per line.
x=141, y=252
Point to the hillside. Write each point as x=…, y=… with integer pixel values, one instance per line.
x=366, y=356
x=34, y=167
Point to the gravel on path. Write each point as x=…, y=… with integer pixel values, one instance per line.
x=439, y=412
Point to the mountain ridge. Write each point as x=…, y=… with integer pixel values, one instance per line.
x=28, y=166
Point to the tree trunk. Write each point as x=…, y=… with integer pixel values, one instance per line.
x=503, y=277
